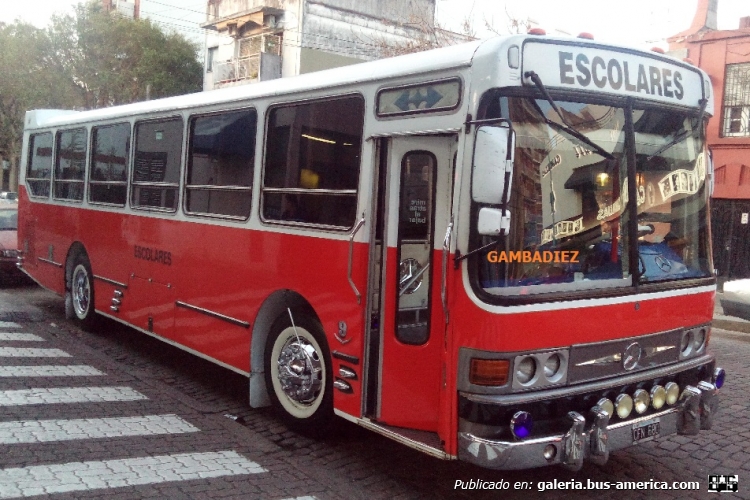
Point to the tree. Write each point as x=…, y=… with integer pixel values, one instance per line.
x=113, y=60
x=87, y=60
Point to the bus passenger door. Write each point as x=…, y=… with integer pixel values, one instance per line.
x=407, y=331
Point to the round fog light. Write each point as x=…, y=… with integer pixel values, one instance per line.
x=673, y=393
x=606, y=405
x=658, y=396
x=623, y=405
x=641, y=399
x=550, y=452
x=521, y=424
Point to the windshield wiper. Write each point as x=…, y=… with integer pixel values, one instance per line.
x=682, y=134
x=565, y=125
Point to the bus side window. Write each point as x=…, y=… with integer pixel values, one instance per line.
x=108, y=174
x=220, y=164
x=39, y=171
x=156, y=169
x=70, y=164
x=312, y=162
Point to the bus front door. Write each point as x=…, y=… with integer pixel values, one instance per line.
x=407, y=318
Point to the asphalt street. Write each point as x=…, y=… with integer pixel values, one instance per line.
x=120, y=415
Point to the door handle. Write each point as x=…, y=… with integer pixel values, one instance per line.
x=356, y=229
x=443, y=284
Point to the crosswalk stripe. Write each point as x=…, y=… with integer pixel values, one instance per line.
x=9, y=324
x=43, y=431
x=82, y=476
x=68, y=395
x=49, y=371
x=32, y=352
x=27, y=337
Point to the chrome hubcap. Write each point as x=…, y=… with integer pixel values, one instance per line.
x=300, y=371
x=81, y=292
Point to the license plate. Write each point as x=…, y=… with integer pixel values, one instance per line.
x=644, y=431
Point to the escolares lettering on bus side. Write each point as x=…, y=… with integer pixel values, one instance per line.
x=619, y=75
x=153, y=255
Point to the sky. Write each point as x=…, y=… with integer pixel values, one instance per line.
x=638, y=23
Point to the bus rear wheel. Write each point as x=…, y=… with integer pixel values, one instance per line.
x=298, y=374
x=79, y=298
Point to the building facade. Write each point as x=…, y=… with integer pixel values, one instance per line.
x=725, y=56
x=257, y=40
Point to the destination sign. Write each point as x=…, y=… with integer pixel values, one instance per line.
x=614, y=72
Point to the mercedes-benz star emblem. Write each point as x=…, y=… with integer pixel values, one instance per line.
x=631, y=356
x=663, y=263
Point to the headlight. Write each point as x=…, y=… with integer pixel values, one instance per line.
x=658, y=396
x=552, y=366
x=673, y=393
x=686, y=345
x=699, y=342
x=525, y=370
x=11, y=254
x=641, y=399
x=623, y=405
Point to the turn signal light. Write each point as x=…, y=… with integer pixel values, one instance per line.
x=489, y=371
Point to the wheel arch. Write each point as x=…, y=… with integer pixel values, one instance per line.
x=274, y=306
x=75, y=248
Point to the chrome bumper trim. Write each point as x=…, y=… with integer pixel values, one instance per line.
x=692, y=413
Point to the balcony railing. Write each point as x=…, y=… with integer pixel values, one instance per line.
x=246, y=68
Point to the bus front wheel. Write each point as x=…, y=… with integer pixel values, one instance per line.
x=298, y=374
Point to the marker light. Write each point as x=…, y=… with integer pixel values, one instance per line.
x=521, y=424
x=641, y=399
x=606, y=405
x=623, y=405
x=719, y=375
x=489, y=371
x=658, y=50
x=658, y=396
x=673, y=393
x=536, y=31
x=585, y=35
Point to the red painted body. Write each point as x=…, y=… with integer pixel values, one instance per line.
x=232, y=270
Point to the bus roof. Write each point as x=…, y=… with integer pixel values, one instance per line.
x=422, y=63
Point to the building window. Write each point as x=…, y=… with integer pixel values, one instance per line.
x=220, y=164
x=156, y=169
x=70, y=163
x=312, y=162
x=737, y=100
x=108, y=180
x=210, y=58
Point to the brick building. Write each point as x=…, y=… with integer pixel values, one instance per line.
x=725, y=56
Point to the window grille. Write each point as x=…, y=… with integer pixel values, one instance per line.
x=737, y=100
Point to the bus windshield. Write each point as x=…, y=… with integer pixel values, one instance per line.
x=569, y=206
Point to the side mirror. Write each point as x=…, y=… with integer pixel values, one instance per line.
x=493, y=165
x=493, y=222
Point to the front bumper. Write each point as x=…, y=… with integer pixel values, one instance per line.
x=591, y=438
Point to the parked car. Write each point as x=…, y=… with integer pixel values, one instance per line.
x=736, y=298
x=8, y=240
x=9, y=196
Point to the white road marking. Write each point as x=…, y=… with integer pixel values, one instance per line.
x=32, y=352
x=49, y=371
x=27, y=337
x=9, y=324
x=82, y=476
x=68, y=395
x=42, y=431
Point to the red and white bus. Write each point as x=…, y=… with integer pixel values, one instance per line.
x=497, y=252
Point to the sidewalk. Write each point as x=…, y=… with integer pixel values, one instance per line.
x=728, y=322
